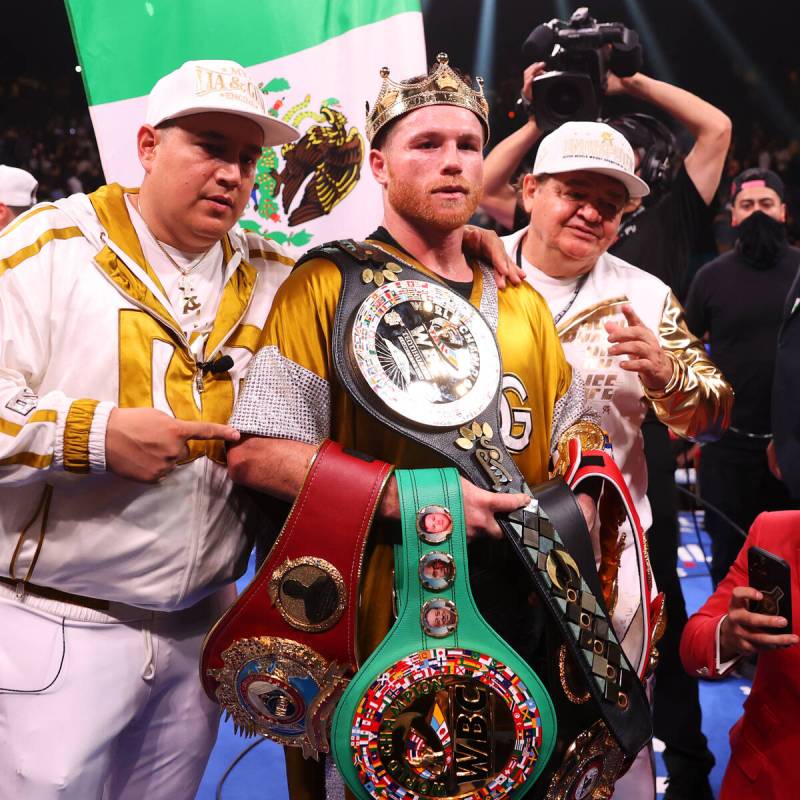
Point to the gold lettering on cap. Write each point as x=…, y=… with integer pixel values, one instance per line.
x=231, y=84
x=605, y=150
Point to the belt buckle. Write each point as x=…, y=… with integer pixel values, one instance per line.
x=280, y=689
x=592, y=764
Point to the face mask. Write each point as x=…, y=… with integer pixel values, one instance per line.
x=761, y=240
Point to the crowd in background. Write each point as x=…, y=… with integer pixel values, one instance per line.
x=44, y=131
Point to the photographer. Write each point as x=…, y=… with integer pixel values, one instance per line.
x=763, y=763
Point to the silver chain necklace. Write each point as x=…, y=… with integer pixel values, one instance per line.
x=185, y=284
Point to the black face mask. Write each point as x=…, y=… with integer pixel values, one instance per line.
x=761, y=240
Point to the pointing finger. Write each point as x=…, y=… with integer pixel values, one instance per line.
x=631, y=316
x=208, y=430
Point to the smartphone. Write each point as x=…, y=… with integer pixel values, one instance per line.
x=772, y=576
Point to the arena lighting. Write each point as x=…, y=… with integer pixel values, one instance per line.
x=650, y=46
x=564, y=9
x=484, y=50
x=773, y=104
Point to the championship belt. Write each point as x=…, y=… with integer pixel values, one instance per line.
x=280, y=657
x=647, y=626
x=443, y=708
x=424, y=362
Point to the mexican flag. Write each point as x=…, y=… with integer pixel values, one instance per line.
x=318, y=62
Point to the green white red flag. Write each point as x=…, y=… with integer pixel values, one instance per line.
x=318, y=62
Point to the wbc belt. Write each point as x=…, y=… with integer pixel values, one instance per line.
x=279, y=658
x=420, y=359
x=443, y=708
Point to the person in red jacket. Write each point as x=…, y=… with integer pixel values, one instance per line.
x=765, y=741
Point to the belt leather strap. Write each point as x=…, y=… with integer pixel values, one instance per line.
x=481, y=455
x=448, y=711
x=299, y=613
x=23, y=588
x=590, y=464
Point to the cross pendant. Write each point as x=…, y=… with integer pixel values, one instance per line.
x=190, y=302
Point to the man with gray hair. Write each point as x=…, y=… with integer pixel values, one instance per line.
x=623, y=328
x=17, y=193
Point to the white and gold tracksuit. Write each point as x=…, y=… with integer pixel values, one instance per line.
x=85, y=327
x=695, y=404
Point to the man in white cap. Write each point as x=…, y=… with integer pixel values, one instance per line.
x=17, y=193
x=127, y=321
x=621, y=327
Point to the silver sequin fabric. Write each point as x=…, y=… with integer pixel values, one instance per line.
x=283, y=400
x=571, y=407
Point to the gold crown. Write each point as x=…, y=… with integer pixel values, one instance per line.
x=442, y=86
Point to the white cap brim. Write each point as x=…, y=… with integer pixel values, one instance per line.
x=635, y=185
x=275, y=131
x=17, y=187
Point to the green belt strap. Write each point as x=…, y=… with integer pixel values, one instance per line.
x=447, y=711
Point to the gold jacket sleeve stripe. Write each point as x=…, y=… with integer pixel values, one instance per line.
x=76, y=435
x=34, y=460
x=12, y=429
x=270, y=255
x=697, y=402
x=15, y=259
x=26, y=215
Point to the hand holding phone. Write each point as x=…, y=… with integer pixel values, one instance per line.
x=744, y=632
x=772, y=578
x=759, y=618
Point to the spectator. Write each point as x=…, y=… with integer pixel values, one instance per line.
x=575, y=202
x=764, y=741
x=17, y=193
x=657, y=237
x=737, y=300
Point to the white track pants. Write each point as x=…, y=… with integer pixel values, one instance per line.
x=125, y=717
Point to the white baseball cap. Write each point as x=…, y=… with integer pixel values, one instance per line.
x=200, y=86
x=17, y=187
x=590, y=147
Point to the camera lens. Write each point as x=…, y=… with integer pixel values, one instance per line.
x=564, y=99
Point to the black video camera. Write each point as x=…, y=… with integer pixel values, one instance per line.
x=578, y=60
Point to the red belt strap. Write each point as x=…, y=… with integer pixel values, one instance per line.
x=327, y=527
